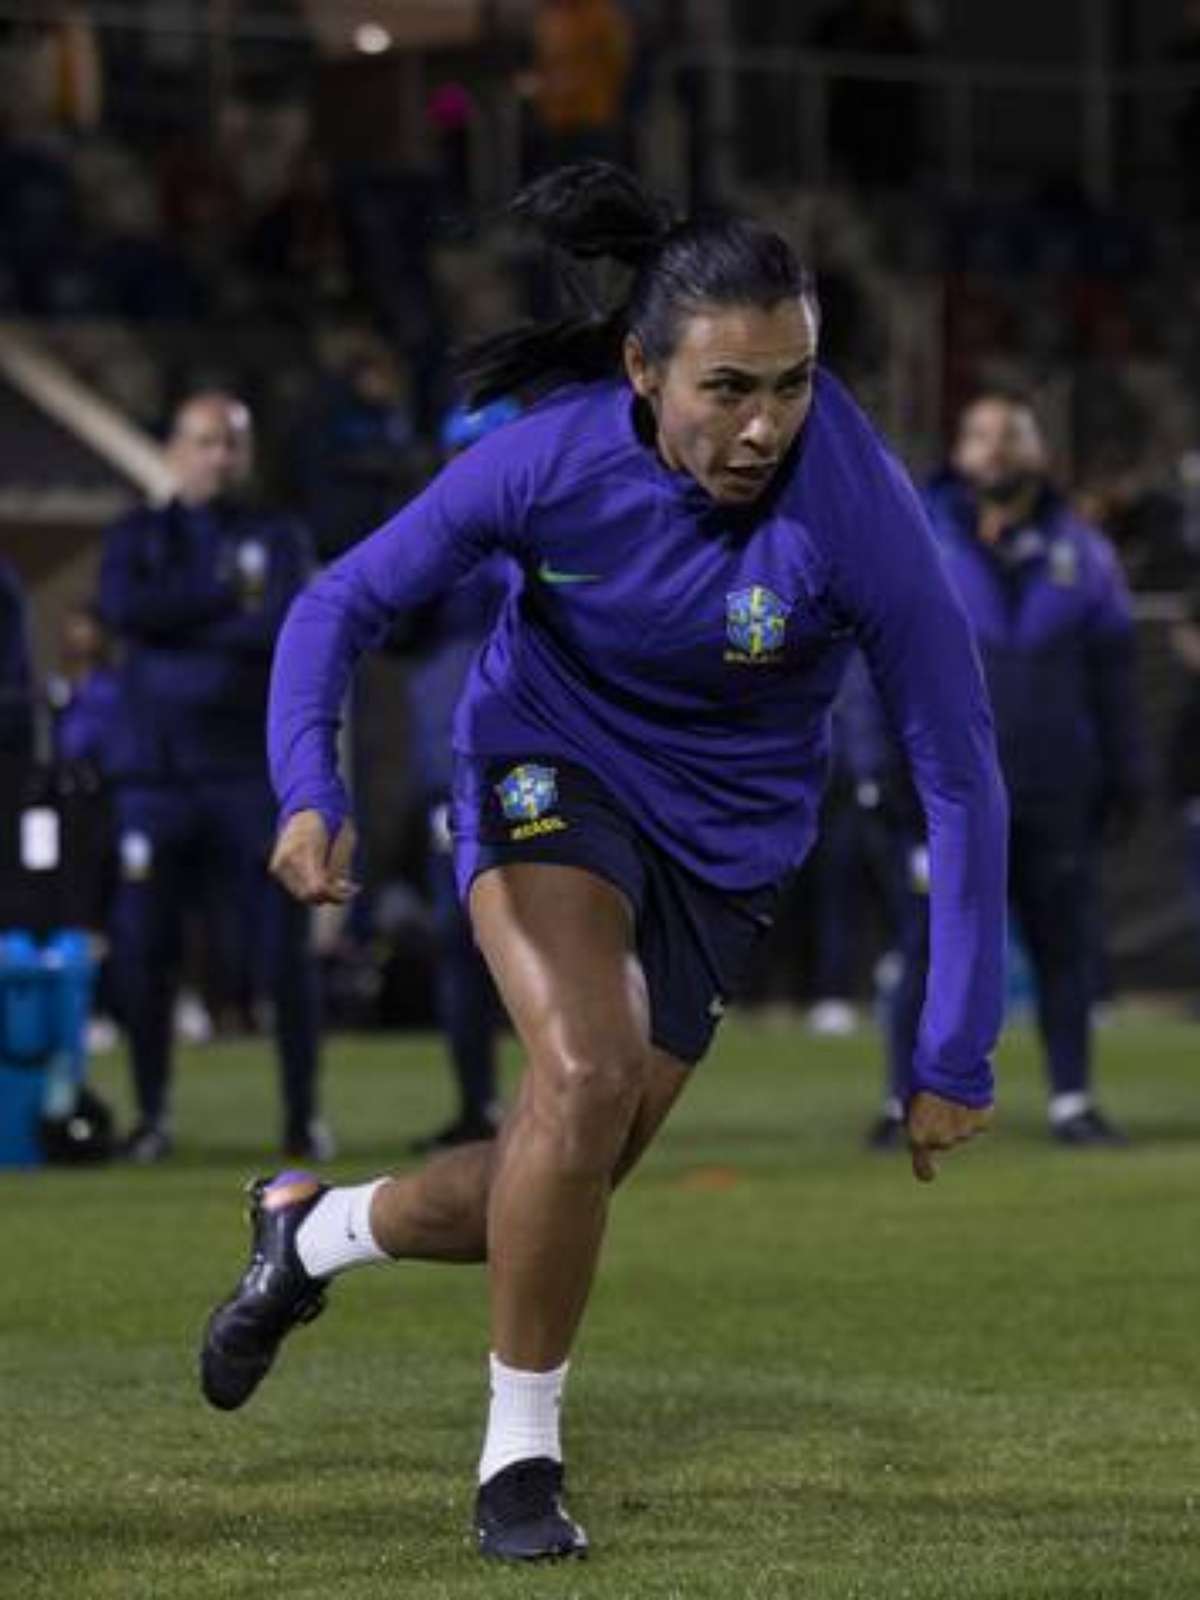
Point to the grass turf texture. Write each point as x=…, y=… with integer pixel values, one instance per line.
x=801, y=1375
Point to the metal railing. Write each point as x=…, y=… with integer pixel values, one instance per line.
x=1099, y=97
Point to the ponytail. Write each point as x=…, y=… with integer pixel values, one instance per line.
x=589, y=212
x=595, y=211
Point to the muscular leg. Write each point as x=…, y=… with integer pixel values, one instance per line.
x=559, y=942
x=439, y=1212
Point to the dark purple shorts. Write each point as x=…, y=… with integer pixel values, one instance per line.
x=696, y=943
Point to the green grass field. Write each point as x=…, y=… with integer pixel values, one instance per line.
x=801, y=1375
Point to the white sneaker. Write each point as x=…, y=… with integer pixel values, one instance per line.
x=833, y=1019
x=192, y=1022
x=102, y=1036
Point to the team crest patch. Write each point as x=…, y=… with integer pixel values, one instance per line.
x=755, y=624
x=527, y=794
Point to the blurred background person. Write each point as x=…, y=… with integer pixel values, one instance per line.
x=196, y=590
x=857, y=860
x=445, y=640
x=1054, y=625
x=583, y=58
x=85, y=691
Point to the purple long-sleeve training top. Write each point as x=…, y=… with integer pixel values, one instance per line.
x=687, y=654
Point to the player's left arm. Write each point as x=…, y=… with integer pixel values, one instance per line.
x=922, y=657
x=475, y=505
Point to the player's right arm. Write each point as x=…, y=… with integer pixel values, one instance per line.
x=475, y=505
x=918, y=644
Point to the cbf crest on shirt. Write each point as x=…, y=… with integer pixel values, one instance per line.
x=527, y=795
x=755, y=624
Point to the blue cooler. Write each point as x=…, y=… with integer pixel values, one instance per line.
x=45, y=996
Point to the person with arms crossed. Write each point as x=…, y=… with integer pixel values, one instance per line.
x=706, y=526
x=196, y=591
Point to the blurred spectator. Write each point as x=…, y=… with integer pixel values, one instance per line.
x=298, y=243
x=85, y=696
x=445, y=639
x=1183, y=753
x=85, y=692
x=351, y=453
x=859, y=848
x=391, y=218
x=1144, y=519
x=582, y=65
x=200, y=204
x=197, y=591
x=1054, y=626
x=875, y=128
x=39, y=216
x=16, y=676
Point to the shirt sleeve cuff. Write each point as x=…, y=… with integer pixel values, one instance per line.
x=333, y=807
x=975, y=1088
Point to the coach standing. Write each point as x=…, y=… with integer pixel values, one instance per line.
x=197, y=590
x=1054, y=626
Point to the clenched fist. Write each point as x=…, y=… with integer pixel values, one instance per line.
x=936, y=1125
x=308, y=866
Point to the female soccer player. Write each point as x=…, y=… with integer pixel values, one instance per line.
x=706, y=526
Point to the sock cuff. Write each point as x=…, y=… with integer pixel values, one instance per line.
x=516, y=1378
x=359, y=1212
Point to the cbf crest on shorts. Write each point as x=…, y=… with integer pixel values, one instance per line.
x=755, y=624
x=528, y=794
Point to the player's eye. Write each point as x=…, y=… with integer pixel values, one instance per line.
x=730, y=387
x=795, y=385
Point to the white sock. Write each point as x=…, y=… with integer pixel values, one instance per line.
x=1065, y=1106
x=523, y=1419
x=336, y=1233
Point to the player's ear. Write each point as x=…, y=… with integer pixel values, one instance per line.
x=638, y=369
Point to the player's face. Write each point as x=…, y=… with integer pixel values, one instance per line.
x=211, y=449
x=999, y=450
x=733, y=394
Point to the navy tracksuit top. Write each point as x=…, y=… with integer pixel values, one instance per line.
x=1053, y=622
x=197, y=596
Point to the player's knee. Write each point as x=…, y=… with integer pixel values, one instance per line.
x=595, y=1095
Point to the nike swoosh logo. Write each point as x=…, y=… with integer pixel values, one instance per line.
x=549, y=574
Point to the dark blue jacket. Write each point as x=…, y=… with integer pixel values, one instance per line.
x=16, y=676
x=1054, y=625
x=197, y=597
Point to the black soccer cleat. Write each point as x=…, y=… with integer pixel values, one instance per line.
x=519, y=1515
x=471, y=1128
x=274, y=1296
x=1086, y=1128
x=887, y=1133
